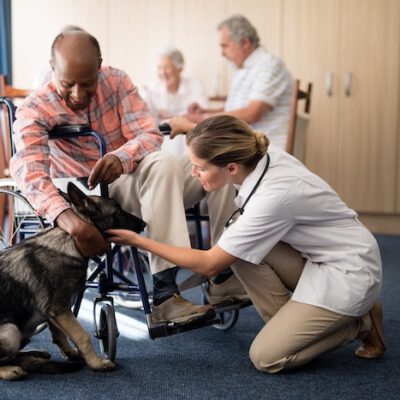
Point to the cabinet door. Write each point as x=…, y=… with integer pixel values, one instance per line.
x=310, y=49
x=369, y=106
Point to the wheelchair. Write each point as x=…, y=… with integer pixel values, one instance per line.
x=19, y=221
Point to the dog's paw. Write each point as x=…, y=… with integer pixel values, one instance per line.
x=104, y=366
x=12, y=372
x=72, y=355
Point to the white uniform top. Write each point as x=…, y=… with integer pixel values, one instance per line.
x=190, y=90
x=264, y=77
x=343, y=270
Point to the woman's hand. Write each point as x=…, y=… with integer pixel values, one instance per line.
x=123, y=236
x=180, y=125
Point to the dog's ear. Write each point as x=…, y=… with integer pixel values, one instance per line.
x=64, y=195
x=77, y=197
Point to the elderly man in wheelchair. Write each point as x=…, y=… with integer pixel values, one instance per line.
x=145, y=181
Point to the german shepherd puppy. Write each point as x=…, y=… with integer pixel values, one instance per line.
x=40, y=278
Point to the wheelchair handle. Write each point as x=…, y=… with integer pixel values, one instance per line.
x=11, y=117
x=165, y=128
x=69, y=131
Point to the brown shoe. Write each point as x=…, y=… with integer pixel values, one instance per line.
x=230, y=290
x=373, y=344
x=179, y=310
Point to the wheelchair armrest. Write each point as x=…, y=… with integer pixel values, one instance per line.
x=68, y=131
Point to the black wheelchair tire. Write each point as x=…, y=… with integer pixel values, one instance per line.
x=108, y=332
x=228, y=318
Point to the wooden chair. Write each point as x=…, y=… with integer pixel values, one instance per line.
x=10, y=91
x=298, y=94
x=13, y=94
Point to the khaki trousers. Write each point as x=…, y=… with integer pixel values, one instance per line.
x=159, y=191
x=296, y=332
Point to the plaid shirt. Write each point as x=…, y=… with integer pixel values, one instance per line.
x=116, y=110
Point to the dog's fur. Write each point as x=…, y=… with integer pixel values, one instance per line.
x=40, y=278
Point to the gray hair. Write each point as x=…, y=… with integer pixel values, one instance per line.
x=174, y=54
x=240, y=28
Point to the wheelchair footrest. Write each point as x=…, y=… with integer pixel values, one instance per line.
x=172, y=328
x=231, y=305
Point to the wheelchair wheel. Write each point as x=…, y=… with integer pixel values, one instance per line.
x=18, y=219
x=108, y=332
x=228, y=318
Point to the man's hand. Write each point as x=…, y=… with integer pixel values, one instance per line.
x=87, y=237
x=179, y=125
x=107, y=170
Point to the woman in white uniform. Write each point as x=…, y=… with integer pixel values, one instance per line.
x=311, y=269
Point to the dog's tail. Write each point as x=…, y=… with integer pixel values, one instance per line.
x=40, y=363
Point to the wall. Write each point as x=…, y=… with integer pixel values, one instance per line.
x=129, y=32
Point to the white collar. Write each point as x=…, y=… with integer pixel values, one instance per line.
x=252, y=57
x=248, y=184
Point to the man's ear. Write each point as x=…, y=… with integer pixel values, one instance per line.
x=100, y=61
x=246, y=44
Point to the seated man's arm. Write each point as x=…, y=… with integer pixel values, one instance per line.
x=30, y=165
x=87, y=237
x=138, y=127
x=252, y=112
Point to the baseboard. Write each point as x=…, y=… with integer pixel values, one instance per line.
x=381, y=223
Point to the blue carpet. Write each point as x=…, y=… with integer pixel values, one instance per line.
x=211, y=364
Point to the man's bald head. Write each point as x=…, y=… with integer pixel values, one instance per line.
x=76, y=45
x=76, y=61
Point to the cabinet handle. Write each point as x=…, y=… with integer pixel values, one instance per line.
x=347, y=83
x=328, y=83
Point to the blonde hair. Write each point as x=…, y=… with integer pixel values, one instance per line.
x=223, y=139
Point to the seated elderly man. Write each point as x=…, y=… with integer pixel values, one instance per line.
x=142, y=179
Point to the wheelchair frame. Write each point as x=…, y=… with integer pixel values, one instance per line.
x=107, y=279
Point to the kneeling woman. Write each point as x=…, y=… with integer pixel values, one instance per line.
x=311, y=269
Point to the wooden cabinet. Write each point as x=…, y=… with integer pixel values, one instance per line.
x=350, y=50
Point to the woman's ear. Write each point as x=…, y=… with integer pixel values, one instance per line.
x=232, y=168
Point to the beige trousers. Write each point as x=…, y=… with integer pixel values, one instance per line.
x=159, y=191
x=296, y=332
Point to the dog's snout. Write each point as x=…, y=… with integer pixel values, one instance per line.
x=133, y=223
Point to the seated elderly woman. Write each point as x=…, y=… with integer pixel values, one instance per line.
x=172, y=93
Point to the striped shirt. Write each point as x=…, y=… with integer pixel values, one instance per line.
x=116, y=110
x=264, y=77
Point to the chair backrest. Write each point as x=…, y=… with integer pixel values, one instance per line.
x=12, y=94
x=11, y=91
x=297, y=95
x=8, y=94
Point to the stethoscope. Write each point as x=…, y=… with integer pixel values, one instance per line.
x=240, y=210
